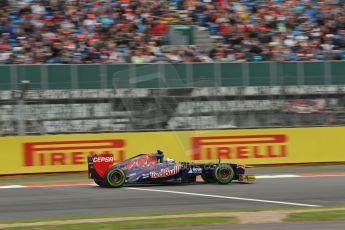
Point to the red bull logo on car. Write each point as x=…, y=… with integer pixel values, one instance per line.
x=165, y=172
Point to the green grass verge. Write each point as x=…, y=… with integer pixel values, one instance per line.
x=178, y=222
x=107, y=216
x=157, y=214
x=139, y=224
x=317, y=216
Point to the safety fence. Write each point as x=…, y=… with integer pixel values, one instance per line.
x=99, y=76
x=56, y=99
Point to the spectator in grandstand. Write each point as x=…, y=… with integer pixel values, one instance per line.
x=122, y=31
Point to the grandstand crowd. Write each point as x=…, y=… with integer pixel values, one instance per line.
x=134, y=31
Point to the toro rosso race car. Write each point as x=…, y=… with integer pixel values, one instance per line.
x=153, y=169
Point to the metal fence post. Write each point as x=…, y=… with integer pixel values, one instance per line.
x=44, y=77
x=132, y=76
x=74, y=76
x=104, y=76
x=161, y=76
x=14, y=76
x=21, y=122
x=327, y=73
x=189, y=73
x=218, y=75
x=300, y=73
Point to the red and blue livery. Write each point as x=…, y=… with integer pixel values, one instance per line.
x=153, y=169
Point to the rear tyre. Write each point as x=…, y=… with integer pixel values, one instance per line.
x=223, y=174
x=115, y=177
x=100, y=183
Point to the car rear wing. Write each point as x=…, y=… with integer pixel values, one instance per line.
x=99, y=164
x=90, y=167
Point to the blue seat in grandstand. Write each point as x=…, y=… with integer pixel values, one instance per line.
x=46, y=14
x=213, y=28
x=90, y=29
x=200, y=19
x=249, y=5
x=178, y=4
x=121, y=50
x=49, y=17
x=343, y=56
x=107, y=21
x=12, y=40
x=296, y=33
x=13, y=17
x=293, y=57
x=312, y=14
x=54, y=61
x=77, y=31
x=257, y=58
x=299, y=9
x=17, y=21
x=320, y=57
x=88, y=5
x=141, y=28
x=336, y=37
x=8, y=29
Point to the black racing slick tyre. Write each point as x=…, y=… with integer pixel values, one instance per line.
x=100, y=183
x=223, y=174
x=115, y=177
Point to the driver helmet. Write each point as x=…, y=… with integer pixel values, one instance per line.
x=170, y=160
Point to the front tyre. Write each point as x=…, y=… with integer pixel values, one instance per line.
x=115, y=177
x=223, y=174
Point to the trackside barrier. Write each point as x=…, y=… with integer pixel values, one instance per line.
x=101, y=76
x=61, y=153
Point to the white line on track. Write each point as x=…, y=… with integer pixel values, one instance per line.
x=276, y=176
x=224, y=197
x=12, y=186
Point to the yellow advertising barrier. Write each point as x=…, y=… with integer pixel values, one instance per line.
x=60, y=153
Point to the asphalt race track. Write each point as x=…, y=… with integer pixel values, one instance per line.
x=23, y=203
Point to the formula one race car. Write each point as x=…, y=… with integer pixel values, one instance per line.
x=153, y=169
